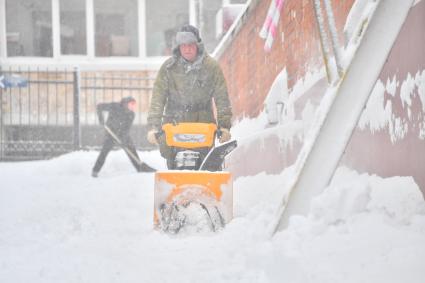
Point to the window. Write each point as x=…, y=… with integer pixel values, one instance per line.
x=163, y=18
x=73, y=27
x=29, y=28
x=116, y=32
x=206, y=21
x=102, y=28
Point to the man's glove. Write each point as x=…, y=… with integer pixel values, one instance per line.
x=152, y=136
x=225, y=135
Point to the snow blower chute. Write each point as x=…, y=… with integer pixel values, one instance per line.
x=196, y=194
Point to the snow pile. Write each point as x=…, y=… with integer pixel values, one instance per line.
x=57, y=224
x=360, y=229
x=397, y=199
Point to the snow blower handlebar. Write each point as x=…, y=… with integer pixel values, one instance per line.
x=193, y=143
x=217, y=131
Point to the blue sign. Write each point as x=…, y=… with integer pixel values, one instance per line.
x=13, y=80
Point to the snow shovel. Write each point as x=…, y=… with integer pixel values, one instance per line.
x=128, y=151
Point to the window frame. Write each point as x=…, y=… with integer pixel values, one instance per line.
x=89, y=58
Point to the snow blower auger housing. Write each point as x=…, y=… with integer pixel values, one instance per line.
x=195, y=195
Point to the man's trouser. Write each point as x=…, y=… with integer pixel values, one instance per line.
x=108, y=145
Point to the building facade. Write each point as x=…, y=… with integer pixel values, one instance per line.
x=389, y=138
x=96, y=33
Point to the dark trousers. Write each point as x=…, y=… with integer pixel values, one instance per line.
x=108, y=145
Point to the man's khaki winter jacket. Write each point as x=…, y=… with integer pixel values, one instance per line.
x=183, y=92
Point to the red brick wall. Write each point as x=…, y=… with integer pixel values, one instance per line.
x=250, y=71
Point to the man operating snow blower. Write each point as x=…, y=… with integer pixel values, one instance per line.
x=186, y=85
x=181, y=116
x=117, y=132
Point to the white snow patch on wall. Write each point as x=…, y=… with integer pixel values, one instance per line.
x=377, y=115
x=304, y=84
x=298, y=90
x=249, y=126
x=277, y=98
x=247, y=130
x=399, y=129
x=420, y=83
x=391, y=86
x=406, y=90
x=422, y=131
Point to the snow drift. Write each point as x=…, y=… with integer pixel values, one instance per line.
x=57, y=224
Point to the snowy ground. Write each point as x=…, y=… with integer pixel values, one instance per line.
x=57, y=224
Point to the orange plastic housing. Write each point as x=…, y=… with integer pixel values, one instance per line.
x=207, y=130
x=175, y=186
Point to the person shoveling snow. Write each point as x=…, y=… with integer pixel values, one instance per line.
x=117, y=131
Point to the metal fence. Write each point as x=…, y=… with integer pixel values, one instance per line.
x=54, y=111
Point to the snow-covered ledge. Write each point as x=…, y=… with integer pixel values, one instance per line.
x=84, y=63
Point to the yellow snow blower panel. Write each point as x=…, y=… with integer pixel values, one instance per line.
x=190, y=135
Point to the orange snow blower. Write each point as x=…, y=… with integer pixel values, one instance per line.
x=195, y=194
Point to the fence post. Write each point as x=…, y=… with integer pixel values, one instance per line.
x=76, y=104
x=2, y=136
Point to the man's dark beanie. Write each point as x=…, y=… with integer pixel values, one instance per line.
x=126, y=100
